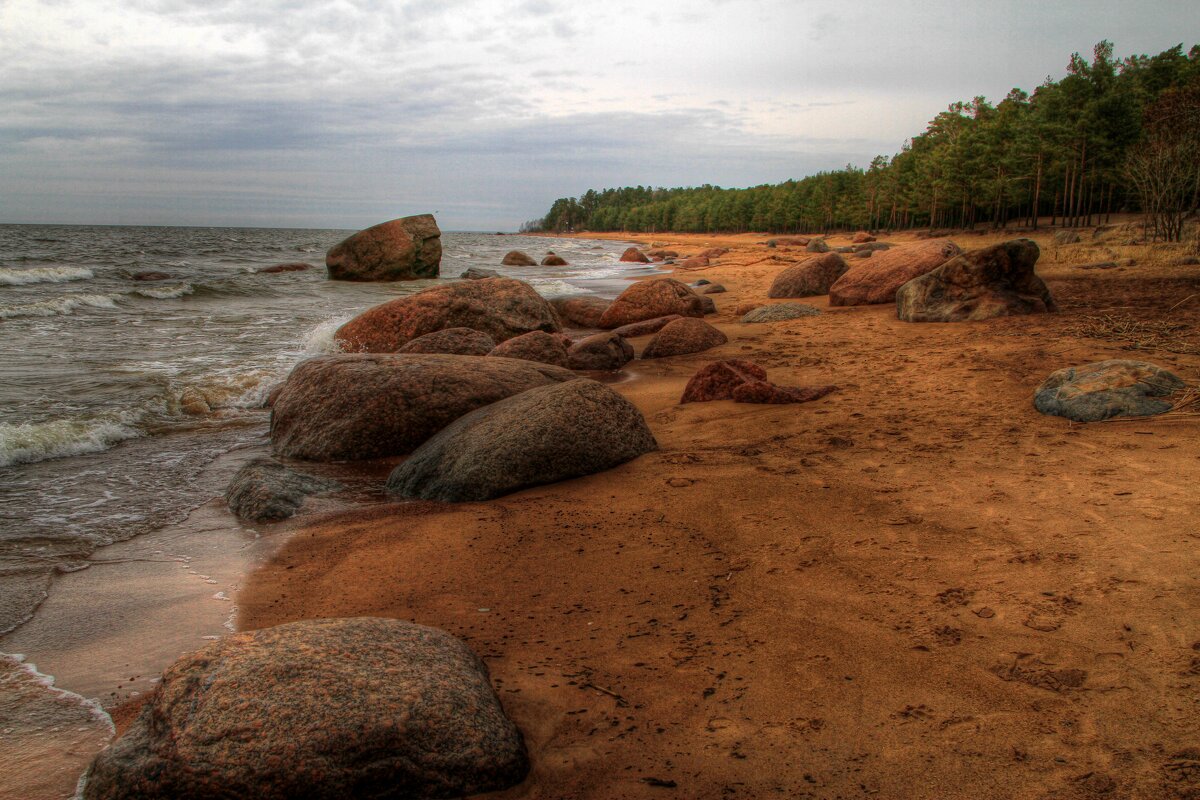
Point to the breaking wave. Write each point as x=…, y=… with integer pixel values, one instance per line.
x=23, y=277
x=25, y=443
x=58, y=306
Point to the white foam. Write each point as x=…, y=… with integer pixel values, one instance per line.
x=555, y=288
x=167, y=292
x=95, y=710
x=57, y=306
x=21, y=277
x=27, y=442
x=320, y=339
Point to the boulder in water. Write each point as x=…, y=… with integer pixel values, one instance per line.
x=266, y=491
x=656, y=297
x=454, y=341
x=294, y=266
x=516, y=258
x=634, y=256
x=1107, y=389
x=683, y=336
x=150, y=275
x=554, y=260
x=877, y=280
x=403, y=249
x=809, y=278
x=479, y=273
x=602, y=352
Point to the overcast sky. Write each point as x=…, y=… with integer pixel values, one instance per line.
x=343, y=113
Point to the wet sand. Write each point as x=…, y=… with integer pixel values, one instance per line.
x=915, y=587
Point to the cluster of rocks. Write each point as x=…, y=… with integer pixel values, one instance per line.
x=745, y=382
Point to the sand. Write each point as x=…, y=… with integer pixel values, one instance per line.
x=915, y=587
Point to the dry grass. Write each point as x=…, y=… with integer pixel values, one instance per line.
x=1163, y=335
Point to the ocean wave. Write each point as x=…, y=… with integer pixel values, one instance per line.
x=58, y=306
x=169, y=292
x=320, y=341
x=28, y=442
x=555, y=288
x=22, y=277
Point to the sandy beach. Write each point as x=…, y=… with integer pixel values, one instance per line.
x=917, y=586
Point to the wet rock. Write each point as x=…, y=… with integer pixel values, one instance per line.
x=715, y=288
x=707, y=305
x=295, y=266
x=455, y=341
x=634, y=256
x=479, y=273
x=150, y=275
x=359, y=406
x=684, y=336
x=780, y=313
x=325, y=708
x=992, y=282
x=541, y=436
x=1106, y=389
x=500, y=307
x=702, y=282
x=656, y=297
x=744, y=382
x=582, y=312
x=1066, y=237
x=266, y=491
x=516, y=258
x=645, y=327
x=817, y=246
x=539, y=346
x=400, y=250
x=877, y=280
x=603, y=352
x=553, y=260
x=809, y=278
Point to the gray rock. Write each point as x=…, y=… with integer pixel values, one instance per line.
x=323, y=709
x=1106, y=389
x=780, y=312
x=545, y=435
x=817, y=246
x=479, y=273
x=264, y=490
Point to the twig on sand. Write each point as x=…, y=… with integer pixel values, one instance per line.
x=621, y=701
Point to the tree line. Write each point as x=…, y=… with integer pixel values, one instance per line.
x=1111, y=135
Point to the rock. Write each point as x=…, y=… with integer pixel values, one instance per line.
x=863, y=253
x=552, y=260
x=764, y=392
x=780, y=313
x=743, y=309
x=1106, y=389
x=584, y=311
x=794, y=241
x=845, y=249
x=744, y=382
x=479, y=273
x=772, y=243
x=662, y=253
x=500, y=307
x=809, y=278
x=656, y=297
x=515, y=258
x=295, y=266
x=645, y=327
x=683, y=336
x=603, y=352
x=323, y=708
x=1099, y=265
x=352, y=406
x=869, y=246
x=708, y=305
x=401, y=250
x=878, y=280
x=995, y=281
x=712, y=252
x=702, y=282
x=266, y=491
x=541, y=436
x=635, y=256
x=150, y=276
x=715, y=288
x=817, y=246
x=1066, y=237
x=862, y=237
x=456, y=341
x=696, y=262
x=539, y=346
x=1185, y=261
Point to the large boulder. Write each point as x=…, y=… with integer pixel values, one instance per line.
x=656, y=297
x=401, y=250
x=809, y=278
x=602, y=352
x=992, y=282
x=456, y=341
x=516, y=258
x=686, y=335
x=359, y=406
x=862, y=237
x=500, y=307
x=817, y=246
x=1106, y=389
x=264, y=490
x=877, y=280
x=547, y=434
x=583, y=311
x=323, y=708
x=780, y=312
x=634, y=256
x=539, y=346
x=554, y=260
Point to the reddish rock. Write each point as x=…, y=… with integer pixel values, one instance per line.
x=351, y=406
x=743, y=309
x=718, y=380
x=662, y=253
x=861, y=237
x=695, y=262
x=604, y=352
x=552, y=260
x=656, y=297
x=764, y=392
x=634, y=256
x=500, y=307
x=582, y=312
x=545, y=348
x=150, y=276
x=455, y=341
x=809, y=278
x=295, y=266
x=646, y=327
x=400, y=250
x=714, y=288
x=684, y=336
x=515, y=258
x=876, y=280
x=713, y=252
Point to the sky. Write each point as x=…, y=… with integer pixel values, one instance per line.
x=345, y=113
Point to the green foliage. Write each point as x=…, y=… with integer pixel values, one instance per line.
x=1061, y=152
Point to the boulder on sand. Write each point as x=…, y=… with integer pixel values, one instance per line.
x=817, y=246
x=634, y=256
x=877, y=280
x=401, y=250
x=809, y=278
x=645, y=327
x=1106, y=389
x=554, y=260
x=322, y=708
x=359, y=406
x=862, y=237
x=264, y=490
x=686, y=335
x=455, y=341
x=994, y=281
x=656, y=297
x=479, y=273
x=1066, y=237
x=603, y=352
x=744, y=382
x=583, y=311
x=500, y=307
x=539, y=346
x=545, y=435
x=516, y=258
x=779, y=313
x=715, y=288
